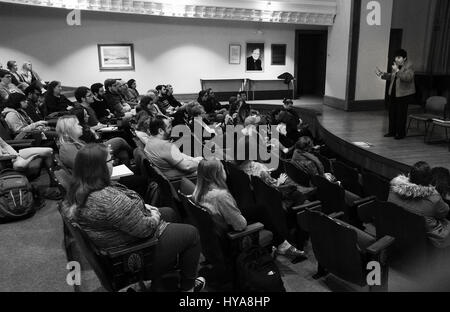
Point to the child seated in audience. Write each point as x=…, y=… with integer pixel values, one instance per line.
x=212, y=193
x=416, y=194
x=113, y=216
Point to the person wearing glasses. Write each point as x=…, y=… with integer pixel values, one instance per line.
x=112, y=215
x=6, y=87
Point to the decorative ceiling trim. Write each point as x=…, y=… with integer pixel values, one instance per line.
x=312, y=12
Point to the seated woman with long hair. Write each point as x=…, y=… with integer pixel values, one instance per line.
x=112, y=216
x=212, y=193
x=305, y=160
x=416, y=194
x=54, y=100
x=69, y=142
x=70, y=134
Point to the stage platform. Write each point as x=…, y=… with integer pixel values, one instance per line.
x=385, y=156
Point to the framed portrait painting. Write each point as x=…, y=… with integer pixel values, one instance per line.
x=116, y=56
x=234, y=54
x=255, y=57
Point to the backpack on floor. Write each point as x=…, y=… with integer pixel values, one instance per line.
x=16, y=196
x=257, y=272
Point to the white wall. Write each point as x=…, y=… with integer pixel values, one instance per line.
x=167, y=50
x=415, y=17
x=338, y=52
x=373, y=51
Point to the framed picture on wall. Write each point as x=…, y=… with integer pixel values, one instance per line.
x=278, y=54
x=234, y=54
x=255, y=57
x=116, y=56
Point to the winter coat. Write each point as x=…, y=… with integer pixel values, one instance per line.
x=423, y=201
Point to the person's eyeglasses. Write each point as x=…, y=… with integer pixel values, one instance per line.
x=7, y=76
x=111, y=159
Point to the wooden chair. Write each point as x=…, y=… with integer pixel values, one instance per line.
x=435, y=108
x=332, y=198
x=221, y=249
x=345, y=251
x=296, y=175
x=375, y=185
x=348, y=176
x=412, y=248
x=118, y=267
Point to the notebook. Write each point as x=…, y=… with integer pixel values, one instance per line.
x=108, y=129
x=120, y=172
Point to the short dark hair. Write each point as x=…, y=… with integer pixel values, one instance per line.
x=130, y=82
x=96, y=87
x=156, y=124
x=159, y=87
x=109, y=83
x=31, y=89
x=80, y=93
x=401, y=52
x=14, y=100
x=420, y=174
x=10, y=64
x=242, y=92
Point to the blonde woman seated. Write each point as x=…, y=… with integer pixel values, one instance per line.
x=212, y=193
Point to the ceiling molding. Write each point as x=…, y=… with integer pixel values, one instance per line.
x=312, y=12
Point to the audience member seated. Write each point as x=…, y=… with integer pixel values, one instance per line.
x=25, y=156
x=304, y=160
x=70, y=132
x=112, y=215
x=85, y=99
x=243, y=109
x=170, y=98
x=16, y=78
x=114, y=101
x=415, y=194
x=133, y=93
x=142, y=131
x=35, y=102
x=165, y=155
x=19, y=122
x=99, y=106
x=163, y=101
x=147, y=107
x=30, y=76
x=123, y=91
x=212, y=193
x=213, y=109
x=6, y=87
x=54, y=100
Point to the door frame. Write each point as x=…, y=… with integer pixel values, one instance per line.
x=299, y=32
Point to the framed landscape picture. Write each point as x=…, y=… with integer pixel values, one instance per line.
x=255, y=57
x=116, y=56
x=234, y=56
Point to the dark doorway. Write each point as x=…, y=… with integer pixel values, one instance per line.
x=395, y=43
x=311, y=62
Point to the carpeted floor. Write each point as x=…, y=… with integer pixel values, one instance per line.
x=32, y=258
